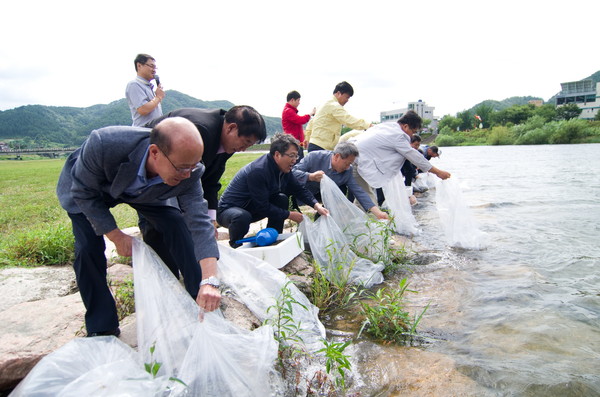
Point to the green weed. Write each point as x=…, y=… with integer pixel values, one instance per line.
x=336, y=361
x=387, y=319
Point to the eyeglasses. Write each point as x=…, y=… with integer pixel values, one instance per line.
x=183, y=171
x=293, y=156
x=151, y=66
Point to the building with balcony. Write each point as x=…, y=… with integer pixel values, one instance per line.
x=583, y=93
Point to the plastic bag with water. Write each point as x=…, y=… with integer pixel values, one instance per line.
x=363, y=232
x=332, y=252
x=396, y=199
x=258, y=285
x=460, y=227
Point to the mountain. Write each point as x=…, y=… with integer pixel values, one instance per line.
x=506, y=103
x=70, y=125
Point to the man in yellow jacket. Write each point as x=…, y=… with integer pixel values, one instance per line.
x=324, y=129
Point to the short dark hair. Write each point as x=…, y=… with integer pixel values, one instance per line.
x=346, y=149
x=281, y=143
x=344, y=88
x=248, y=120
x=415, y=138
x=141, y=58
x=434, y=149
x=413, y=120
x=293, y=95
x=161, y=139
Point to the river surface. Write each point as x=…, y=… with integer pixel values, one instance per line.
x=521, y=317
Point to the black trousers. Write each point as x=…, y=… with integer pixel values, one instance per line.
x=90, y=261
x=238, y=220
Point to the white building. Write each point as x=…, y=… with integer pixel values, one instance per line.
x=420, y=107
x=583, y=93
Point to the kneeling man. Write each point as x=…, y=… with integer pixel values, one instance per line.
x=261, y=190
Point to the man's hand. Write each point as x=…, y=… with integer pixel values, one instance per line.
x=209, y=298
x=321, y=210
x=160, y=94
x=440, y=173
x=123, y=242
x=316, y=176
x=379, y=214
x=295, y=216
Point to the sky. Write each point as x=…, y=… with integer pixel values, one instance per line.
x=450, y=54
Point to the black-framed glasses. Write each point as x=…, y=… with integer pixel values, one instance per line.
x=151, y=66
x=183, y=171
x=293, y=156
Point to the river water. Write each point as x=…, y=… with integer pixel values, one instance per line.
x=521, y=317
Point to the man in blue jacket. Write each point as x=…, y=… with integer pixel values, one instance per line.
x=261, y=190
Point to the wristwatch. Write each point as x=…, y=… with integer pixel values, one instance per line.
x=212, y=281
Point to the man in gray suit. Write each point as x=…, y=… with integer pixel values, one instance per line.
x=143, y=168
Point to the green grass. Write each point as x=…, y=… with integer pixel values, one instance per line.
x=34, y=229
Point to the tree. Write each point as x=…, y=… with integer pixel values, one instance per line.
x=597, y=118
x=547, y=111
x=449, y=121
x=568, y=112
x=516, y=114
x=485, y=112
x=467, y=120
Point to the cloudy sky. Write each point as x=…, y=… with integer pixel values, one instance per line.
x=450, y=54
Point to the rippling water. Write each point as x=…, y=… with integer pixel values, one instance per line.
x=522, y=316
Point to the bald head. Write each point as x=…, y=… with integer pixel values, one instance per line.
x=176, y=148
x=175, y=134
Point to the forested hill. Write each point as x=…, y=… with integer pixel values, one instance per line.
x=69, y=126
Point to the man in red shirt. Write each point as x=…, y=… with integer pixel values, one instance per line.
x=292, y=122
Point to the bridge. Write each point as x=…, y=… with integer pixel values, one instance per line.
x=47, y=152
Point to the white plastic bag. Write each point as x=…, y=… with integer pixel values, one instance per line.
x=459, y=224
x=332, y=252
x=396, y=199
x=99, y=366
x=212, y=357
x=363, y=232
x=420, y=183
x=258, y=284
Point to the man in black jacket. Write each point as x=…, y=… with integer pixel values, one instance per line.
x=261, y=190
x=223, y=133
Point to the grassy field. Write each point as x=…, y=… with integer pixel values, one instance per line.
x=34, y=229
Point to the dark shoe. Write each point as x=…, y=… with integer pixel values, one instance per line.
x=116, y=332
x=234, y=244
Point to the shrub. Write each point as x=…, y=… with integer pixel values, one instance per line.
x=500, y=136
x=50, y=246
x=446, y=140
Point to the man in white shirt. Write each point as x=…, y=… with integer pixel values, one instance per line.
x=144, y=103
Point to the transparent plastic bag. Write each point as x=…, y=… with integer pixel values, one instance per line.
x=459, y=224
x=332, y=252
x=396, y=200
x=364, y=233
x=99, y=366
x=258, y=285
x=209, y=356
x=420, y=183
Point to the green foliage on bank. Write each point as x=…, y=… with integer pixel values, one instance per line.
x=536, y=130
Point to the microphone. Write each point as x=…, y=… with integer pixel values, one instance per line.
x=157, y=80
